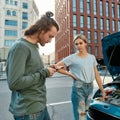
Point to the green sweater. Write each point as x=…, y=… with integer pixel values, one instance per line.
x=26, y=78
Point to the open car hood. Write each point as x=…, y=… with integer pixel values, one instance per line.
x=111, y=53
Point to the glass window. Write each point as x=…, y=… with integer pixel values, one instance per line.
x=88, y=6
x=25, y=5
x=95, y=23
x=81, y=21
x=113, y=25
x=96, y=51
x=10, y=32
x=8, y=12
x=89, y=49
x=118, y=25
x=74, y=5
x=113, y=10
x=15, y=3
x=102, y=35
x=82, y=32
x=7, y=1
x=88, y=22
x=107, y=9
x=13, y=13
x=81, y=6
x=108, y=24
x=11, y=22
x=95, y=7
x=74, y=32
x=118, y=6
x=24, y=25
x=101, y=24
x=74, y=20
x=101, y=8
x=24, y=15
x=11, y=2
x=89, y=37
x=9, y=43
x=95, y=37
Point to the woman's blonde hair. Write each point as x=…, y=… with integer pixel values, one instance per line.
x=80, y=36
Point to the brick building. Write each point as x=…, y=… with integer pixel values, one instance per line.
x=93, y=18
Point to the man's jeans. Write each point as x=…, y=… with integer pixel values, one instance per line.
x=44, y=115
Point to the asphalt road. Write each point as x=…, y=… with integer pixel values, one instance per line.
x=58, y=98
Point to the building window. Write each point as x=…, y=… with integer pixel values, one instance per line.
x=11, y=22
x=102, y=35
x=74, y=20
x=74, y=32
x=113, y=10
x=95, y=23
x=7, y=1
x=95, y=7
x=9, y=43
x=95, y=37
x=88, y=22
x=118, y=6
x=81, y=21
x=101, y=24
x=25, y=5
x=8, y=12
x=89, y=37
x=118, y=25
x=113, y=25
x=24, y=16
x=81, y=6
x=10, y=32
x=96, y=51
x=82, y=32
x=101, y=8
x=74, y=5
x=24, y=25
x=89, y=49
x=107, y=8
x=108, y=24
x=13, y=13
x=88, y=6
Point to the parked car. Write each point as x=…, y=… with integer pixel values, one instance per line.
x=108, y=109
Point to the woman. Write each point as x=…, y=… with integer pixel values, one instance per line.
x=83, y=70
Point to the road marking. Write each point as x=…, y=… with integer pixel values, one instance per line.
x=58, y=103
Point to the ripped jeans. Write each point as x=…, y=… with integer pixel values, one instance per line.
x=80, y=98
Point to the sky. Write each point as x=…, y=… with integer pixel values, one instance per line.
x=43, y=6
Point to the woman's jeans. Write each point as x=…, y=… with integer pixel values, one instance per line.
x=81, y=96
x=44, y=115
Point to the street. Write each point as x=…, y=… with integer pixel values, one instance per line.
x=58, y=98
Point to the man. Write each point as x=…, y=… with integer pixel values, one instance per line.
x=26, y=73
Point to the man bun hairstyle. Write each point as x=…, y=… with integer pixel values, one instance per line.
x=43, y=24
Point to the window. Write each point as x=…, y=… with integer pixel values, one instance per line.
x=7, y=1
x=118, y=6
x=113, y=10
x=24, y=25
x=95, y=37
x=95, y=7
x=101, y=24
x=82, y=32
x=10, y=32
x=108, y=24
x=8, y=12
x=102, y=35
x=74, y=20
x=96, y=51
x=88, y=6
x=113, y=25
x=11, y=22
x=89, y=37
x=81, y=21
x=107, y=9
x=24, y=16
x=89, y=49
x=95, y=23
x=81, y=6
x=9, y=42
x=13, y=13
x=74, y=32
x=101, y=8
x=88, y=22
x=118, y=25
x=74, y=5
x=25, y=5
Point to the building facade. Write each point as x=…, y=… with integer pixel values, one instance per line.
x=93, y=18
x=15, y=16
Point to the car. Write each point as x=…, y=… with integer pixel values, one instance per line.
x=108, y=109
